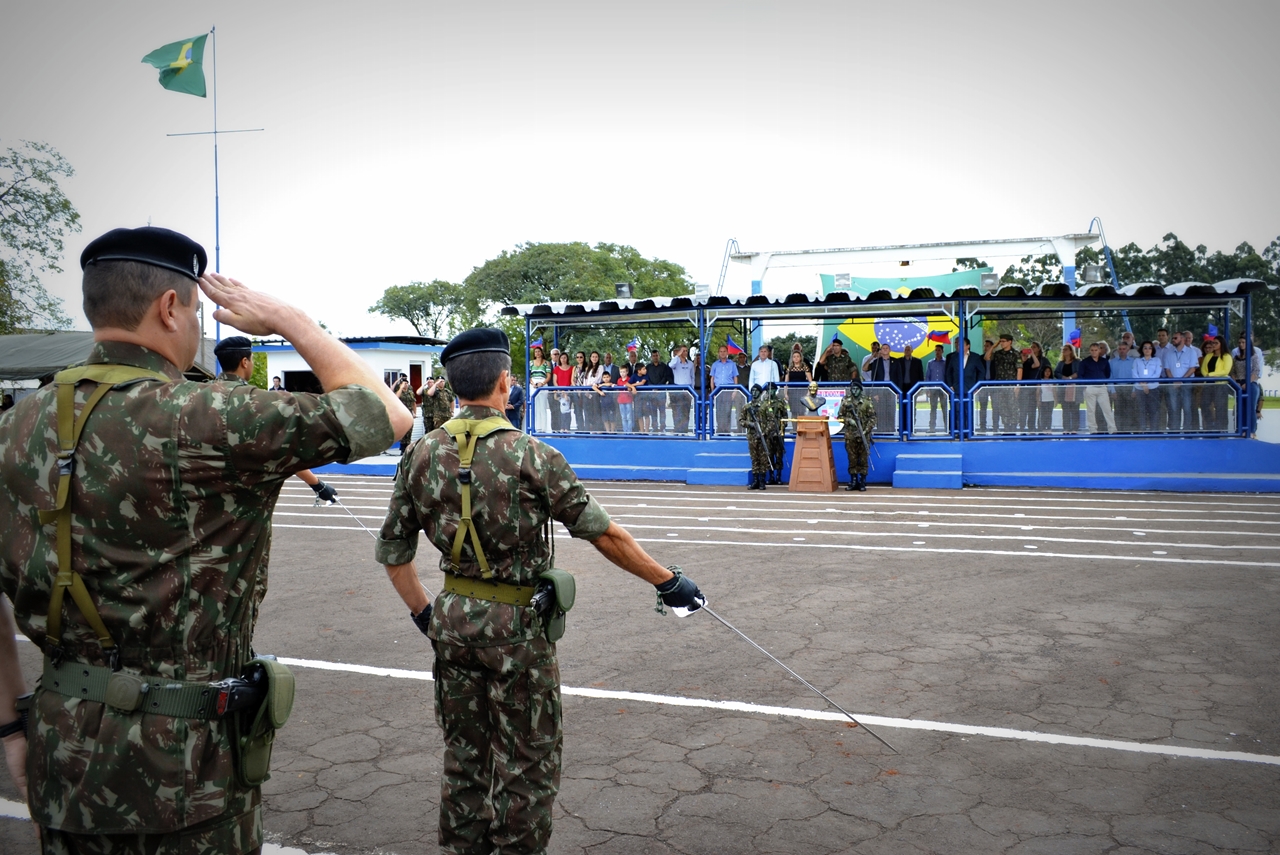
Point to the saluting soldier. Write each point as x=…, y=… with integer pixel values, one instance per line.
x=404, y=391
x=484, y=493
x=752, y=418
x=437, y=402
x=235, y=358
x=135, y=506
x=836, y=360
x=774, y=413
x=858, y=413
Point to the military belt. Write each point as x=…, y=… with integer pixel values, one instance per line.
x=489, y=590
x=131, y=692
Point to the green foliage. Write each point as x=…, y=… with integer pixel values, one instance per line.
x=259, y=376
x=437, y=309
x=781, y=345
x=544, y=272
x=35, y=217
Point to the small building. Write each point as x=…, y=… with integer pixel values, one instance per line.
x=390, y=356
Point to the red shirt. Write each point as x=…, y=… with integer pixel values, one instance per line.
x=563, y=376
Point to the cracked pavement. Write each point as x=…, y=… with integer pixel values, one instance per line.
x=1167, y=636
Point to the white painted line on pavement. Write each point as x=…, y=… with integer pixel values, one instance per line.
x=1075, y=556
x=823, y=715
x=18, y=810
x=953, y=536
x=14, y=810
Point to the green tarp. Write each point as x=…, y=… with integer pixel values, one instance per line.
x=32, y=356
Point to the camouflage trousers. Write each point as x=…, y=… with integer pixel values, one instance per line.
x=222, y=836
x=777, y=447
x=759, y=453
x=499, y=708
x=856, y=448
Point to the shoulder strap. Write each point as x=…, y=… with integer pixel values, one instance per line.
x=69, y=429
x=466, y=432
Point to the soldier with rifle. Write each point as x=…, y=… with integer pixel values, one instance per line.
x=775, y=416
x=753, y=418
x=858, y=413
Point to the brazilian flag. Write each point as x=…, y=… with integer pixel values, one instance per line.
x=180, y=65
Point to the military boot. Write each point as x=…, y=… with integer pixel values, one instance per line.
x=862, y=483
x=760, y=481
x=852, y=485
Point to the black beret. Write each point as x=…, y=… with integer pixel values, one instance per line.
x=483, y=340
x=148, y=245
x=234, y=344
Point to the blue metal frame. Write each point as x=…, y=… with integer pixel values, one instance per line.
x=909, y=405
x=1199, y=434
x=549, y=389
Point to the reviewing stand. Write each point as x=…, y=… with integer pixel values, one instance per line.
x=813, y=469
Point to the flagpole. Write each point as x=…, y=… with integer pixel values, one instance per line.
x=217, y=211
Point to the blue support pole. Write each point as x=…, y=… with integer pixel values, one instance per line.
x=528, y=390
x=960, y=403
x=700, y=405
x=1249, y=422
x=757, y=335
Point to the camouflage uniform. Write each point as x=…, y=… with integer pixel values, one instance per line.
x=839, y=367
x=411, y=404
x=774, y=418
x=857, y=444
x=172, y=492
x=497, y=681
x=437, y=409
x=752, y=419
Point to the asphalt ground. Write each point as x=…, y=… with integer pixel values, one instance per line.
x=1060, y=671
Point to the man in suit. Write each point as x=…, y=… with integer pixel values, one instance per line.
x=905, y=372
x=973, y=369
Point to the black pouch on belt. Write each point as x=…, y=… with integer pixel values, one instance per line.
x=253, y=729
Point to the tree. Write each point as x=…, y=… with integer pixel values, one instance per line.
x=573, y=272
x=436, y=308
x=35, y=217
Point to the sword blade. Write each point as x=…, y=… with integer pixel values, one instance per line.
x=805, y=682
x=374, y=536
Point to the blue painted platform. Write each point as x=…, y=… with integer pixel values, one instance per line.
x=1178, y=465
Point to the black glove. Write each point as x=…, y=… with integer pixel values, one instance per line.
x=679, y=592
x=422, y=620
x=324, y=492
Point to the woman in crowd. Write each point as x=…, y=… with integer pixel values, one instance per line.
x=1066, y=369
x=591, y=409
x=578, y=399
x=539, y=376
x=1147, y=395
x=607, y=400
x=1032, y=372
x=1216, y=364
x=798, y=371
x=1047, y=394
x=561, y=375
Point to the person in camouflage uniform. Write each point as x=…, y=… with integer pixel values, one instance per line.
x=235, y=358
x=437, y=402
x=858, y=413
x=404, y=391
x=774, y=415
x=752, y=418
x=837, y=362
x=170, y=495
x=497, y=681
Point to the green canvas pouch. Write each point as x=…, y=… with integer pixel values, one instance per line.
x=564, y=590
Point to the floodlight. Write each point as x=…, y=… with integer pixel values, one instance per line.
x=623, y=290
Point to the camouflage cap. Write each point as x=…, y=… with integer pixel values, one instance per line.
x=148, y=245
x=483, y=340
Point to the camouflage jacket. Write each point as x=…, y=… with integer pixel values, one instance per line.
x=865, y=411
x=772, y=414
x=407, y=398
x=438, y=408
x=518, y=483
x=839, y=367
x=171, y=500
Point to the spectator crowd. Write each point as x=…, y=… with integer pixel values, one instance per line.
x=1093, y=389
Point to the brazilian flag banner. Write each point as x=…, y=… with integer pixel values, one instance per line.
x=180, y=65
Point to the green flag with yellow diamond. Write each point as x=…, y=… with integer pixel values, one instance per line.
x=180, y=65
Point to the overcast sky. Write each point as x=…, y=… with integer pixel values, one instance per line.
x=416, y=140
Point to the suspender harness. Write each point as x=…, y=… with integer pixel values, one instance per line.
x=107, y=377
x=465, y=433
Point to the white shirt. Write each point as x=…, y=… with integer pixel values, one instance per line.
x=763, y=372
x=682, y=371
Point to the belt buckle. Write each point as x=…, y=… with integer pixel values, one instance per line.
x=125, y=691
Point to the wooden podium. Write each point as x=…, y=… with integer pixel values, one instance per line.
x=813, y=469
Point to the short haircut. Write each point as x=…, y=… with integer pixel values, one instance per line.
x=230, y=359
x=118, y=293
x=475, y=375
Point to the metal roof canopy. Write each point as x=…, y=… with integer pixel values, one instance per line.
x=1063, y=246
